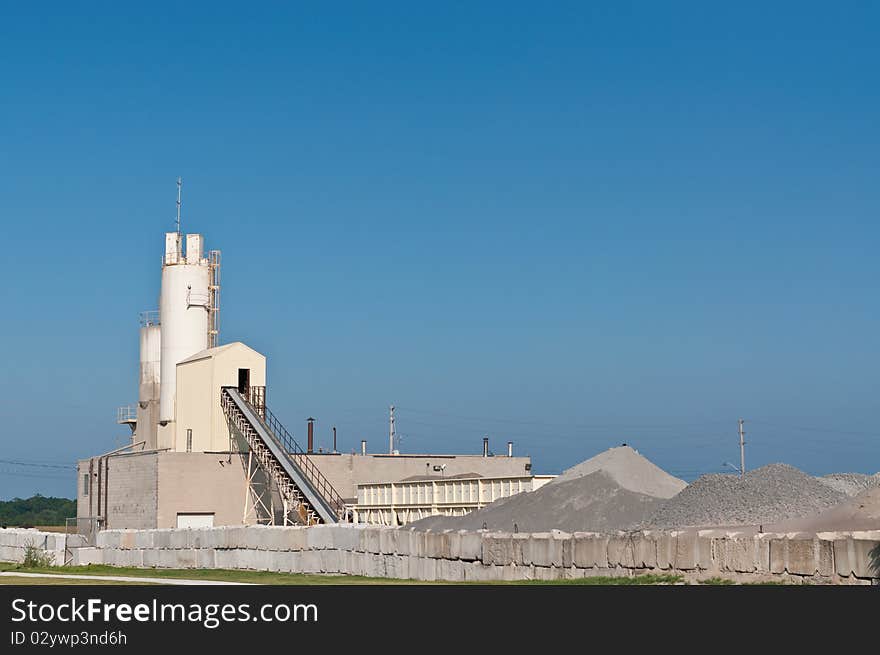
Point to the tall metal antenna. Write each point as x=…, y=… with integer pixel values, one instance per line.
x=179, y=184
x=391, y=431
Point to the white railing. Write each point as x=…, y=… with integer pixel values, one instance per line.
x=126, y=414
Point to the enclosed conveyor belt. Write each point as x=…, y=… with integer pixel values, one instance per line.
x=304, y=491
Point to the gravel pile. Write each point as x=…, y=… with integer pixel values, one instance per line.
x=769, y=494
x=615, y=490
x=629, y=470
x=590, y=503
x=851, y=484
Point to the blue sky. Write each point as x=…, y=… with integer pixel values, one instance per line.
x=568, y=226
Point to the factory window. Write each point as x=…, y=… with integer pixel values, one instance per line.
x=86, y=481
x=189, y=440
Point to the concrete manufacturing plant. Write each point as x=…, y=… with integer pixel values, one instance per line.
x=206, y=450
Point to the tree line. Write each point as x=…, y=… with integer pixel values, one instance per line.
x=36, y=511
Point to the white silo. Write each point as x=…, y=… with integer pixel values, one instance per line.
x=184, y=311
x=149, y=379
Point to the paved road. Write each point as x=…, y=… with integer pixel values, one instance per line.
x=118, y=578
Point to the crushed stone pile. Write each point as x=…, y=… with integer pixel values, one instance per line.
x=629, y=470
x=616, y=490
x=769, y=494
x=861, y=512
x=851, y=484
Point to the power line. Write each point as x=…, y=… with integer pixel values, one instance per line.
x=37, y=465
x=819, y=430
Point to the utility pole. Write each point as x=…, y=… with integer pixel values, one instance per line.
x=391, y=432
x=742, y=449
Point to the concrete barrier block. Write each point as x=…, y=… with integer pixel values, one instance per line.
x=621, y=551
x=87, y=555
x=397, y=566
x=186, y=558
x=235, y=537
x=477, y=572
x=513, y=573
x=404, y=541
x=762, y=552
x=354, y=562
x=521, y=549
x=825, y=546
x=107, y=539
x=332, y=561
x=319, y=537
x=568, y=552
x=310, y=561
x=801, y=556
x=548, y=573
x=181, y=538
x=705, y=549
x=498, y=548
x=165, y=558
x=256, y=537
x=388, y=541
x=470, y=545
x=541, y=549
x=143, y=539
x=205, y=558
x=291, y=561
x=589, y=550
x=369, y=541
x=451, y=570
x=374, y=565
x=435, y=544
x=686, y=555
x=226, y=558
x=346, y=537
x=162, y=538
x=646, y=551
x=425, y=568
x=736, y=553
x=134, y=557
x=865, y=554
x=777, y=554
x=665, y=550
x=200, y=537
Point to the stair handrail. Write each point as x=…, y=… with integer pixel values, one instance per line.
x=299, y=457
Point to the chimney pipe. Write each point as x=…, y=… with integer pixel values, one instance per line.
x=311, y=444
x=334, y=438
x=363, y=446
x=510, y=449
x=485, y=446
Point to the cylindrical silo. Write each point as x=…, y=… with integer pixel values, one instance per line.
x=184, y=306
x=149, y=380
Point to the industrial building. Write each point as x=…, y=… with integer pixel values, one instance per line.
x=206, y=450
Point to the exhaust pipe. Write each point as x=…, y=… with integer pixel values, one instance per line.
x=311, y=444
x=363, y=446
x=510, y=449
x=485, y=446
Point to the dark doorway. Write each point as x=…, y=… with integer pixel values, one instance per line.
x=244, y=380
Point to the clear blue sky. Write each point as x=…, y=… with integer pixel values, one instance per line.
x=569, y=226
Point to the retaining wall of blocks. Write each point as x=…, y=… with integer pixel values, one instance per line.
x=824, y=558
x=14, y=542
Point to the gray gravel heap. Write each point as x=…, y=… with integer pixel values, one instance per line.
x=630, y=470
x=851, y=484
x=769, y=494
x=588, y=503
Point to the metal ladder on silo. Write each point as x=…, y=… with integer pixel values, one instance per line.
x=307, y=496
